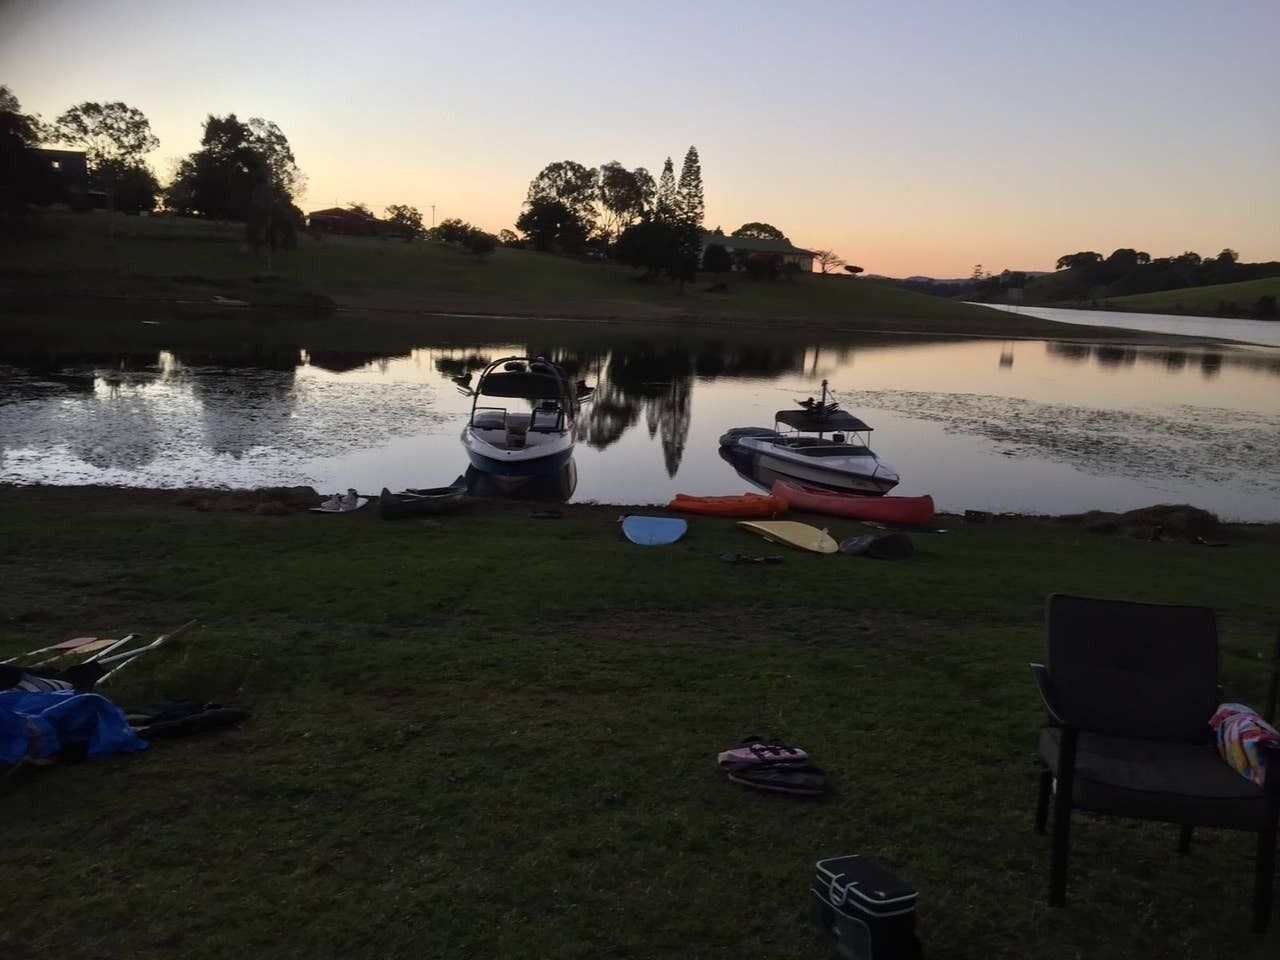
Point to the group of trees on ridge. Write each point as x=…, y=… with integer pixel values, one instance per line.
x=571, y=208
x=626, y=214
x=245, y=171
x=1086, y=276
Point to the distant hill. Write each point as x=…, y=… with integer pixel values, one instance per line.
x=159, y=257
x=1250, y=298
x=1087, y=278
x=958, y=288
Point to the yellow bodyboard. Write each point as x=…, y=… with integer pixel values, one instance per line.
x=793, y=534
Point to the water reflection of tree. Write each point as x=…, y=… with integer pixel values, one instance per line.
x=658, y=383
x=455, y=367
x=344, y=361
x=720, y=360
x=1065, y=350
x=116, y=428
x=1211, y=363
x=246, y=401
x=608, y=416
x=1109, y=355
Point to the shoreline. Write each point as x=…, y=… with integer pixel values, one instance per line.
x=295, y=499
x=269, y=321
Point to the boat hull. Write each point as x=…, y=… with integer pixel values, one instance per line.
x=853, y=474
x=422, y=503
x=544, y=460
x=908, y=511
x=739, y=506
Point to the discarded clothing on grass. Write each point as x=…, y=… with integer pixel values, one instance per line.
x=1242, y=735
x=180, y=718
x=81, y=676
x=39, y=725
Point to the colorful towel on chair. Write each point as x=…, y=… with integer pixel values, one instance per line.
x=1241, y=735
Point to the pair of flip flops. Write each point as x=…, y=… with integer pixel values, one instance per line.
x=740, y=558
x=774, y=768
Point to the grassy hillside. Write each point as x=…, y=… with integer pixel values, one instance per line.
x=1223, y=299
x=157, y=257
x=454, y=755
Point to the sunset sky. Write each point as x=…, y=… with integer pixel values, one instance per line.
x=913, y=138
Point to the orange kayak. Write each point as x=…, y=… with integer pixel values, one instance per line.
x=910, y=511
x=742, y=505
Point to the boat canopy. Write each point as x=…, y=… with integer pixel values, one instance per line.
x=807, y=422
x=524, y=385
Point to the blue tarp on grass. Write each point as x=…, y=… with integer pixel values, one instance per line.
x=40, y=724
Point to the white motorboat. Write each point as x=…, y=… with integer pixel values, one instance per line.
x=536, y=442
x=821, y=444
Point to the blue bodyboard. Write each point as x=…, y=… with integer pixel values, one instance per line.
x=654, y=531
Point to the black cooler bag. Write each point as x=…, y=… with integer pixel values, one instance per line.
x=863, y=911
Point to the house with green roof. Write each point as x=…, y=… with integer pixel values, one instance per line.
x=744, y=249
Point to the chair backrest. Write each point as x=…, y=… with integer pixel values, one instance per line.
x=1130, y=669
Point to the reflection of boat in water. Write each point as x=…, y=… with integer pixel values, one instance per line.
x=842, y=461
x=556, y=488
x=517, y=444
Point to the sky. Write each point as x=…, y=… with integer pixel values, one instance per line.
x=909, y=137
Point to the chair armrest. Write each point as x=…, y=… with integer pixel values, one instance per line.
x=1044, y=684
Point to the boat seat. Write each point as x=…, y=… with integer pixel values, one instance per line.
x=544, y=421
x=491, y=420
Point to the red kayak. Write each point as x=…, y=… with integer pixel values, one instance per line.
x=745, y=505
x=909, y=511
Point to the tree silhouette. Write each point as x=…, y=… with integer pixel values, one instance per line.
x=625, y=196
x=571, y=184
x=759, y=231
x=690, y=205
x=241, y=171
x=827, y=260
x=549, y=225
x=1075, y=261
x=665, y=203
x=24, y=176
x=404, y=220
x=114, y=137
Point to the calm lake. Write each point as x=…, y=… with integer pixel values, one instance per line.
x=1033, y=426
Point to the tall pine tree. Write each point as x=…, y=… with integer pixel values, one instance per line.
x=665, y=208
x=689, y=203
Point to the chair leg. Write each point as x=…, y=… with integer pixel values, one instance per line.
x=1061, y=848
x=1262, y=880
x=1184, y=840
x=1062, y=818
x=1042, y=801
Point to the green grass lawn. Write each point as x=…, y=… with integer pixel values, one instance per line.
x=167, y=256
x=1238, y=298
x=489, y=735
